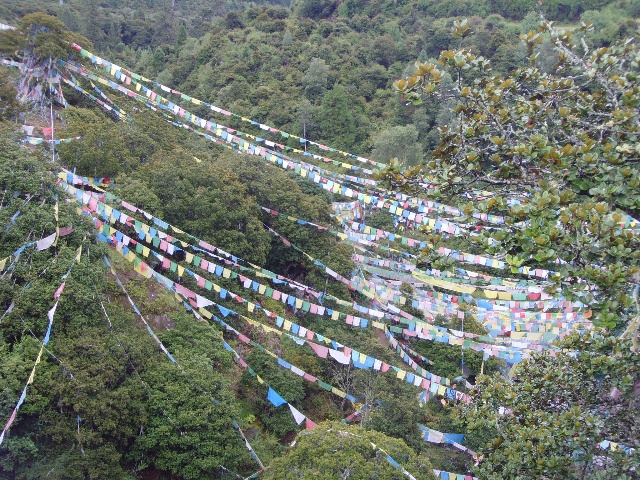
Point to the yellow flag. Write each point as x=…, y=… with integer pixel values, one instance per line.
x=78, y=253
x=33, y=372
x=340, y=393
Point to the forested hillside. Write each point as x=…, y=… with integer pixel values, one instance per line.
x=353, y=239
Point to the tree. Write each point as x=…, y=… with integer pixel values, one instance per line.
x=401, y=143
x=333, y=450
x=275, y=419
x=101, y=151
x=207, y=200
x=563, y=143
x=307, y=123
x=549, y=421
x=9, y=105
x=315, y=80
x=38, y=42
x=340, y=119
x=315, y=9
x=287, y=38
x=384, y=50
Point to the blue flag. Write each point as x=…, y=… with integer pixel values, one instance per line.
x=274, y=398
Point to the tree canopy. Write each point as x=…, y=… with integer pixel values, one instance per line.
x=528, y=149
x=562, y=416
x=552, y=148
x=333, y=450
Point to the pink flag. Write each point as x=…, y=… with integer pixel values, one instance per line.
x=59, y=291
x=320, y=350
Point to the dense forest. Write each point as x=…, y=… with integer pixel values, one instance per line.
x=319, y=239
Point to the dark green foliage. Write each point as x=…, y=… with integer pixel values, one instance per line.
x=315, y=9
x=277, y=420
x=333, y=450
x=564, y=406
x=104, y=401
x=9, y=105
x=395, y=412
x=342, y=119
x=110, y=404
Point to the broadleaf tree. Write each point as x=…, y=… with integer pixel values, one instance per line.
x=573, y=415
x=555, y=153
x=558, y=153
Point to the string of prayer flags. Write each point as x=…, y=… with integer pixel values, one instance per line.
x=281, y=362
x=130, y=77
x=440, y=337
x=447, y=252
x=444, y=475
x=221, y=130
x=613, y=446
x=15, y=255
x=342, y=357
x=509, y=356
x=165, y=240
x=121, y=114
x=73, y=179
x=434, y=436
x=272, y=395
